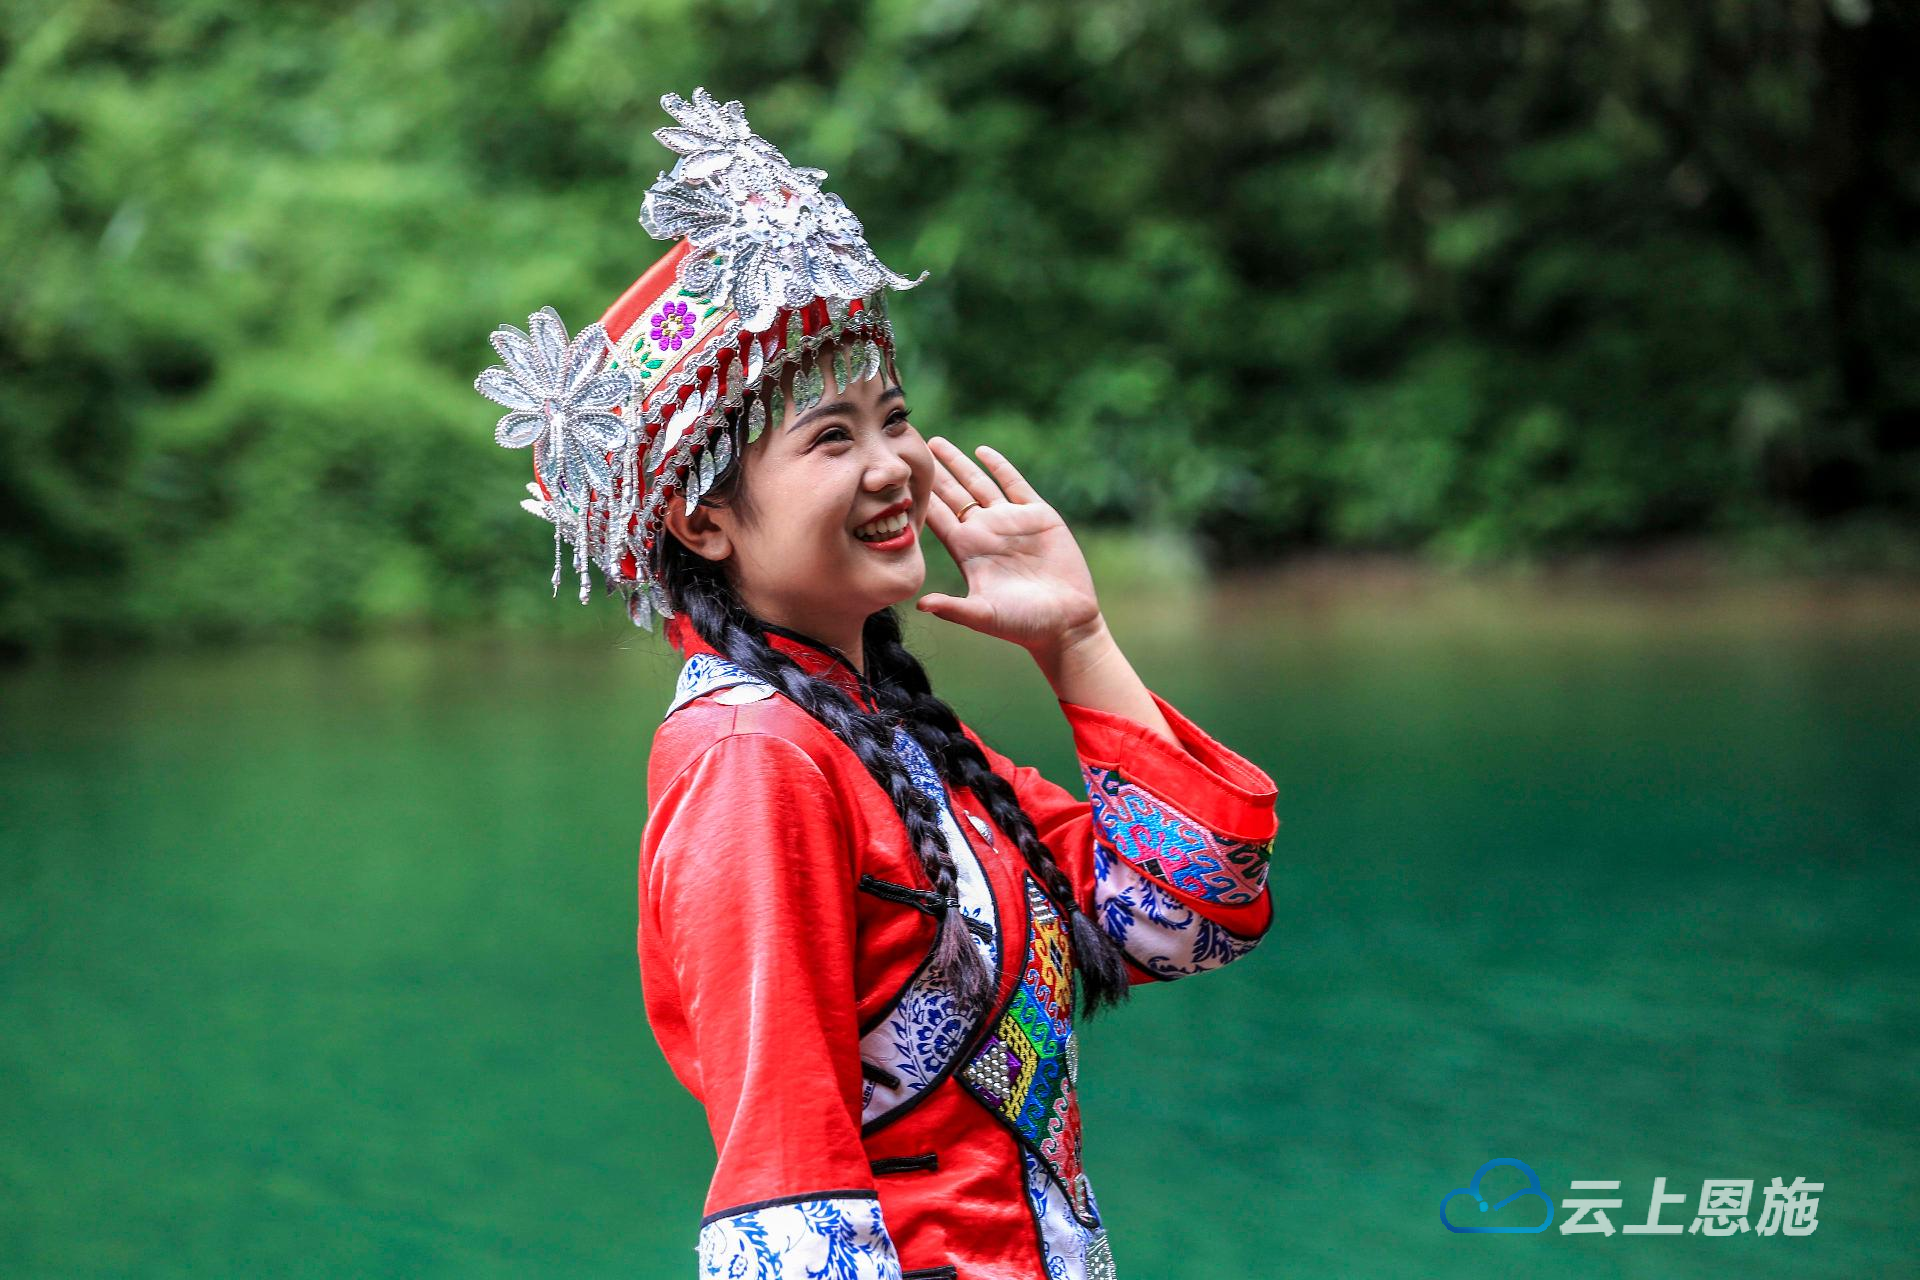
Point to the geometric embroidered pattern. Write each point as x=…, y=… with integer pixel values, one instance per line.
x=1027, y=1069
x=1168, y=845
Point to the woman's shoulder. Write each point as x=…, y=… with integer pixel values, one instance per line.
x=770, y=731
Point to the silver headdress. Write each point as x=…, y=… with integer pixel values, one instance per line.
x=770, y=273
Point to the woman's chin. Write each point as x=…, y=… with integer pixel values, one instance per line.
x=904, y=581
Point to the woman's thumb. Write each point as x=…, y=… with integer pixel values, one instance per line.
x=951, y=608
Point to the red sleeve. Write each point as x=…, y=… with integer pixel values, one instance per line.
x=747, y=931
x=1169, y=846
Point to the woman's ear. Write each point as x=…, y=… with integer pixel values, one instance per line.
x=705, y=531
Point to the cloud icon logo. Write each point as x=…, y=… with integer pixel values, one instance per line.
x=1472, y=1192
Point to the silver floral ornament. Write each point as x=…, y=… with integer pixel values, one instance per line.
x=537, y=504
x=780, y=240
x=559, y=395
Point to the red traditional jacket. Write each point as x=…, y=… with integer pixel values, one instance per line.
x=865, y=1128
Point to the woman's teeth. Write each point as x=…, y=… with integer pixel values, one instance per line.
x=882, y=529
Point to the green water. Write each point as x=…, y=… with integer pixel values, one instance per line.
x=319, y=962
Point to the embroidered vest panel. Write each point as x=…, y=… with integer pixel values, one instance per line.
x=1027, y=1068
x=921, y=1036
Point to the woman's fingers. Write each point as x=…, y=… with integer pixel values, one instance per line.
x=940, y=517
x=1015, y=484
x=977, y=483
x=948, y=489
x=964, y=610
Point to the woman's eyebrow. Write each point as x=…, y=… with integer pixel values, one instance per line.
x=841, y=406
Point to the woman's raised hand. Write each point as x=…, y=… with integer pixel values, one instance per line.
x=1027, y=581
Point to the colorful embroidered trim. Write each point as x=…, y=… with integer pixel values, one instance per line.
x=924, y=1031
x=663, y=336
x=1171, y=846
x=1027, y=1069
x=1161, y=934
x=843, y=1237
x=1072, y=1250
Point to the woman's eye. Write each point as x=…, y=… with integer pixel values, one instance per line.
x=897, y=419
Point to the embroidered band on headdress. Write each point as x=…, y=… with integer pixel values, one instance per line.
x=771, y=278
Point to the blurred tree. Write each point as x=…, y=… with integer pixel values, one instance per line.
x=1480, y=279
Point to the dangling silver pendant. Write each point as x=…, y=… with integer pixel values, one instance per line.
x=808, y=386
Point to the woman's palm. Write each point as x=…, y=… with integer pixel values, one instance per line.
x=1027, y=580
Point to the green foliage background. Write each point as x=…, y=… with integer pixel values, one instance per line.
x=1480, y=280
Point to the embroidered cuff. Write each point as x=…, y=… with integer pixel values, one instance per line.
x=831, y=1233
x=1192, y=827
x=1216, y=785
x=1164, y=934
x=1170, y=845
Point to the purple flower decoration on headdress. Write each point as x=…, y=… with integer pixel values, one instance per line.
x=672, y=325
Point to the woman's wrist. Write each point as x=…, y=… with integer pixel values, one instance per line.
x=1086, y=668
x=1076, y=652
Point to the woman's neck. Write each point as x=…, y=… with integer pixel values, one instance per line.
x=850, y=650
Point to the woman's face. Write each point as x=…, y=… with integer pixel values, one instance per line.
x=811, y=480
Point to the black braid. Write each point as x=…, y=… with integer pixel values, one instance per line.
x=900, y=684
x=703, y=592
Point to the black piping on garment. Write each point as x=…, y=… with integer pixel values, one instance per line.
x=975, y=1036
x=879, y=1074
x=847, y=1194
x=931, y=1273
x=906, y=1164
x=934, y=904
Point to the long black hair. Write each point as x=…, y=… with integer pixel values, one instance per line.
x=903, y=696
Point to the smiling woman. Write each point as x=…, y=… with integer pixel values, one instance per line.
x=790, y=513
x=864, y=934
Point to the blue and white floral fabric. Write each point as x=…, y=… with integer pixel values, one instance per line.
x=842, y=1238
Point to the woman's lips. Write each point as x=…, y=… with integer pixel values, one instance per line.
x=897, y=542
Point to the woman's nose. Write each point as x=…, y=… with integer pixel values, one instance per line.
x=890, y=470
